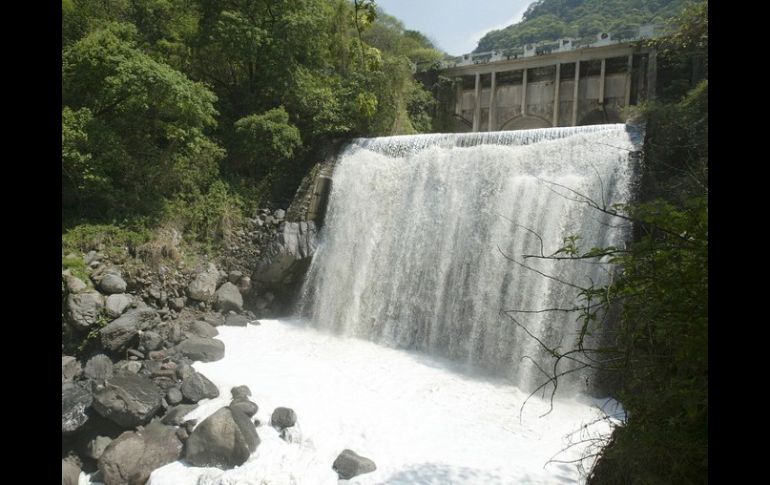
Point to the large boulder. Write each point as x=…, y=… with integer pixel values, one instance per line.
x=70, y=472
x=132, y=456
x=128, y=400
x=119, y=333
x=112, y=283
x=197, y=387
x=175, y=416
x=117, y=304
x=84, y=309
x=235, y=320
x=224, y=440
x=203, y=329
x=204, y=285
x=74, y=284
x=349, y=464
x=74, y=402
x=70, y=368
x=283, y=418
x=98, y=367
x=202, y=349
x=249, y=408
x=229, y=298
x=288, y=255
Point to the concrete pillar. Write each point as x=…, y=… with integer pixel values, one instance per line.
x=459, y=98
x=492, y=125
x=601, y=82
x=524, y=94
x=575, y=94
x=477, y=104
x=556, y=86
x=652, y=74
x=629, y=72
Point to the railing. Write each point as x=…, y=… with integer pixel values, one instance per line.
x=550, y=47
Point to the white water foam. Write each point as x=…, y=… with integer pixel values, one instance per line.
x=422, y=419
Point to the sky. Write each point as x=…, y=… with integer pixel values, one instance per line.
x=455, y=26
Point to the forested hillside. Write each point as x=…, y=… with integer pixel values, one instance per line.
x=548, y=20
x=185, y=110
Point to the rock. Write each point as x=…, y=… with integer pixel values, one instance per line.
x=70, y=368
x=132, y=456
x=150, y=340
x=283, y=418
x=234, y=276
x=70, y=472
x=95, y=448
x=131, y=367
x=234, y=320
x=84, y=309
x=204, y=285
x=214, y=319
x=98, y=367
x=112, y=283
x=244, y=285
x=174, y=334
x=279, y=214
x=74, y=402
x=174, y=395
x=224, y=440
x=245, y=406
x=175, y=416
x=177, y=303
x=117, y=304
x=349, y=464
x=203, y=329
x=184, y=370
x=240, y=392
x=128, y=400
x=197, y=387
x=135, y=353
x=74, y=284
x=229, y=298
x=291, y=435
x=288, y=255
x=121, y=331
x=202, y=349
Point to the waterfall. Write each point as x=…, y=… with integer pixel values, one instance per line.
x=425, y=240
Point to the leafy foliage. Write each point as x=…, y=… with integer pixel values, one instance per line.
x=548, y=20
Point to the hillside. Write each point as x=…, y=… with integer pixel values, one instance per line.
x=547, y=20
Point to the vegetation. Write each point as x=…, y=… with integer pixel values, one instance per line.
x=581, y=20
x=192, y=112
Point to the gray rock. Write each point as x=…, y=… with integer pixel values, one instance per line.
x=234, y=320
x=132, y=456
x=197, y=387
x=291, y=435
x=128, y=400
x=288, y=255
x=202, y=349
x=95, y=448
x=112, y=283
x=229, y=298
x=70, y=472
x=279, y=214
x=239, y=392
x=245, y=406
x=128, y=366
x=70, y=368
x=177, y=303
x=98, y=367
x=224, y=440
x=244, y=285
x=117, y=304
x=174, y=395
x=234, y=276
x=74, y=284
x=84, y=309
x=74, y=402
x=119, y=333
x=203, y=329
x=175, y=415
x=215, y=319
x=283, y=418
x=204, y=285
x=150, y=340
x=349, y=464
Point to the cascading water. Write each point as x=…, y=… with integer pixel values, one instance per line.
x=426, y=236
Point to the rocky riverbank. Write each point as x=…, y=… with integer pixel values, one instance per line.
x=133, y=325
